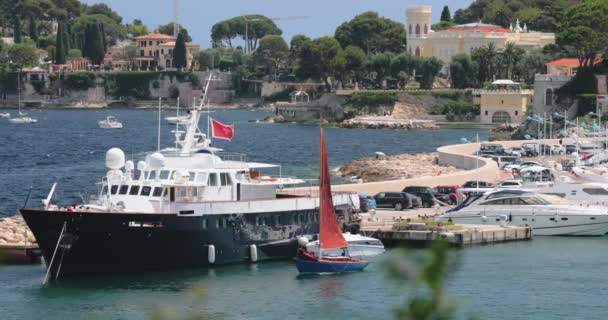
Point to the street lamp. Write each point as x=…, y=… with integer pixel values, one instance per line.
x=247, y=49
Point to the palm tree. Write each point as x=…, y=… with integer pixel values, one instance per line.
x=508, y=55
x=491, y=53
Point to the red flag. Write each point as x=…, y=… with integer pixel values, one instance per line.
x=221, y=131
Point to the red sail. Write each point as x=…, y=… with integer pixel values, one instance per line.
x=330, y=233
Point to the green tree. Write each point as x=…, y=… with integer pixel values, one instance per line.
x=93, y=40
x=530, y=64
x=445, y=14
x=252, y=26
x=22, y=55
x=585, y=28
x=60, y=50
x=168, y=30
x=103, y=9
x=380, y=64
x=463, y=72
x=112, y=30
x=137, y=28
x=486, y=59
x=272, y=54
x=429, y=69
x=179, y=52
x=372, y=33
x=73, y=54
x=511, y=54
x=328, y=49
x=354, y=61
x=442, y=25
x=17, y=29
x=33, y=29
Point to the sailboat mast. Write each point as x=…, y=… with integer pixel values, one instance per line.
x=321, y=179
x=19, y=90
x=158, y=133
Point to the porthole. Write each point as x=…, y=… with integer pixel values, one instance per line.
x=551, y=219
x=564, y=219
x=592, y=218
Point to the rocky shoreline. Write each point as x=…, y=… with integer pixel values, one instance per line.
x=388, y=122
x=13, y=231
x=398, y=167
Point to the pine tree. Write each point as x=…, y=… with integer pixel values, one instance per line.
x=103, y=37
x=59, y=50
x=179, y=52
x=66, y=39
x=17, y=29
x=86, y=46
x=93, y=42
x=33, y=31
x=445, y=14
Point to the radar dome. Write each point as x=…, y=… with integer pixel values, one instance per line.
x=141, y=165
x=156, y=161
x=129, y=165
x=115, y=159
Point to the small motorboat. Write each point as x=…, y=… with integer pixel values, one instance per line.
x=358, y=246
x=330, y=233
x=177, y=120
x=22, y=120
x=110, y=123
x=5, y=115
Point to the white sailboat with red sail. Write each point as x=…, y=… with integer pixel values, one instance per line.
x=330, y=233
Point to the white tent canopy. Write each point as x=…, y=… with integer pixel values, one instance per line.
x=506, y=82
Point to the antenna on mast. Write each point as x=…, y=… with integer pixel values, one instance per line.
x=175, y=18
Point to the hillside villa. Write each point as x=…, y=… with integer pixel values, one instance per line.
x=465, y=38
x=156, y=50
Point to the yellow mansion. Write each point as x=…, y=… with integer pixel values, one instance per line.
x=465, y=38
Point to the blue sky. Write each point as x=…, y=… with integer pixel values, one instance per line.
x=323, y=15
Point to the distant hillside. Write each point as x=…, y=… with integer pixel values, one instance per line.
x=539, y=15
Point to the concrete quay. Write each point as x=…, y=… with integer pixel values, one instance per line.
x=391, y=229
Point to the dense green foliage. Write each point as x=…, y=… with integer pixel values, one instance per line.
x=584, y=29
x=541, y=15
x=445, y=14
x=271, y=55
x=457, y=110
x=79, y=80
x=94, y=46
x=179, y=52
x=372, y=33
x=256, y=26
x=130, y=84
x=371, y=100
x=168, y=30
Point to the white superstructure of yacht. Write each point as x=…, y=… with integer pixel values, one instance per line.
x=527, y=208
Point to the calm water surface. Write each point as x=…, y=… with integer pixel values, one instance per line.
x=547, y=278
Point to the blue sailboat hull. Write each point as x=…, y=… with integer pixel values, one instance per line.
x=325, y=266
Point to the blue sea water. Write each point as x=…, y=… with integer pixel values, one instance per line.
x=546, y=278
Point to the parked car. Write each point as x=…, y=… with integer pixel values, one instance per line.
x=396, y=200
x=477, y=184
x=570, y=148
x=492, y=147
x=516, y=151
x=519, y=166
x=506, y=160
x=366, y=203
x=416, y=201
x=558, y=149
x=452, y=191
x=509, y=184
x=427, y=194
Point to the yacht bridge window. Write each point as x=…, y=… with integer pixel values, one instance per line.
x=113, y=189
x=134, y=190
x=212, y=180
x=158, y=191
x=596, y=191
x=164, y=174
x=225, y=179
x=123, y=189
x=152, y=175
x=145, y=191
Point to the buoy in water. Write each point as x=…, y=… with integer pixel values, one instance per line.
x=211, y=253
x=253, y=253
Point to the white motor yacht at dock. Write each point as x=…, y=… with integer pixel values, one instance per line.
x=188, y=206
x=527, y=208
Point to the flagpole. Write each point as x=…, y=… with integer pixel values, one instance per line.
x=158, y=136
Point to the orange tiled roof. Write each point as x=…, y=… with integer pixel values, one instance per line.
x=172, y=44
x=155, y=36
x=571, y=62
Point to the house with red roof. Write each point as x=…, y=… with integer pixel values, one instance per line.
x=567, y=66
x=155, y=50
x=465, y=38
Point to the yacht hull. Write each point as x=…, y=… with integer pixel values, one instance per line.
x=98, y=243
x=547, y=225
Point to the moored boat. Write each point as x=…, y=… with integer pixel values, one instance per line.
x=189, y=206
x=330, y=233
x=110, y=123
